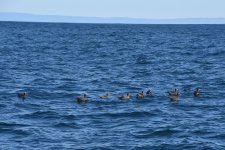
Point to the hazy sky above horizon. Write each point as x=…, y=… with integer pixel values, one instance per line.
x=156, y=9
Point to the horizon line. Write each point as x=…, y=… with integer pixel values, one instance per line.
x=27, y=17
x=122, y=17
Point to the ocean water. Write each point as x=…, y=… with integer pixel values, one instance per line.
x=55, y=63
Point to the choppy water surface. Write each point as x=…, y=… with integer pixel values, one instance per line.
x=55, y=63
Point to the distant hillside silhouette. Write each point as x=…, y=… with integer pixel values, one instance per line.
x=73, y=19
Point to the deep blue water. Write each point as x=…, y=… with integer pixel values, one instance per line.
x=55, y=63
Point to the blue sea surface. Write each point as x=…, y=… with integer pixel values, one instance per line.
x=55, y=63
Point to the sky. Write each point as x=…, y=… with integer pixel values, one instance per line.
x=149, y=9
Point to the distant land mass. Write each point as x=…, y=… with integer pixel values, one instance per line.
x=22, y=17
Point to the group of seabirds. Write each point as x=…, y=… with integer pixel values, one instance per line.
x=173, y=95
